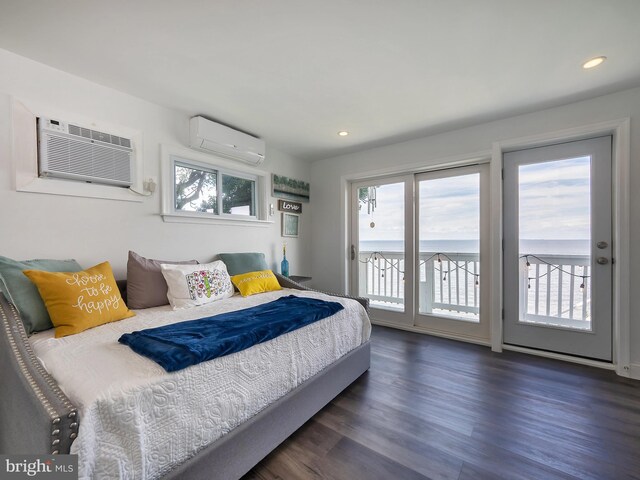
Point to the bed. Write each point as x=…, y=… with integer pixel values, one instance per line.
x=217, y=420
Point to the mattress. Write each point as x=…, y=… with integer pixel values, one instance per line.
x=138, y=421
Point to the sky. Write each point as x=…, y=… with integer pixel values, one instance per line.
x=448, y=210
x=553, y=201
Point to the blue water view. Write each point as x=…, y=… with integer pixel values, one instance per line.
x=542, y=247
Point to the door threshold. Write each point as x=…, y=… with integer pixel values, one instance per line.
x=435, y=333
x=561, y=356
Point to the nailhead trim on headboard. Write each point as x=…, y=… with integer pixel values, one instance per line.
x=30, y=367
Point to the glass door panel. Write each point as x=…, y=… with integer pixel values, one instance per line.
x=381, y=244
x=555, y=236
x=449, y=247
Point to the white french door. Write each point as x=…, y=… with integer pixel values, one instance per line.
x=557, y=248
x=382, y=247
x=417, y=245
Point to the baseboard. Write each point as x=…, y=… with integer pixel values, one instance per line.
x=634, y=371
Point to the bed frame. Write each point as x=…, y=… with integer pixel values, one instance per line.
x=36, y=417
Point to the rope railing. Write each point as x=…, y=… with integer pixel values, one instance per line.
x=390, y=265
x=550, y=270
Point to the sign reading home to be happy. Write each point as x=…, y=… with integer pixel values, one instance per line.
x=287, y=206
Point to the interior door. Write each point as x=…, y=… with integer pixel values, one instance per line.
x=557, y=248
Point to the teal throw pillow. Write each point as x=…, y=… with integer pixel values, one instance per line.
x=24, y=295
x=239, y=263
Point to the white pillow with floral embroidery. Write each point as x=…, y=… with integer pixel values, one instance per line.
x=193, y=285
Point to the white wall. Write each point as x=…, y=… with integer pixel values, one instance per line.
x=94, y=230
x=328, y=214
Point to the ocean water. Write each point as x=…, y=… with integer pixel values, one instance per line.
x=542, y=247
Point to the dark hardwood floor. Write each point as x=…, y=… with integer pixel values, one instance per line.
x=440, y=409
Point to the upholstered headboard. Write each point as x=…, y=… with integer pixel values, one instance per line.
x=35, y=415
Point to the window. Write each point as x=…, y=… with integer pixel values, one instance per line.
x=213, y=191
x=203, y=189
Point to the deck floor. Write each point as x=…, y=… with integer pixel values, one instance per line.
x=440, y=409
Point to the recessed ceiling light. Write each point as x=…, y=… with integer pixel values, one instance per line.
x=343, y=133
x=594, y=62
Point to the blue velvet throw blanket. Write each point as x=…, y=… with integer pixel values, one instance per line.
x=183, y=344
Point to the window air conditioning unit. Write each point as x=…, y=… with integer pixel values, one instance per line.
x=212, y=137
x=73, y=152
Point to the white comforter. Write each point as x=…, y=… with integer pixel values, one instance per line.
x=138, y=421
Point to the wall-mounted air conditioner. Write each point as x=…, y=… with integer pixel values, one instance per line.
x=215, y=138
x=69, y=151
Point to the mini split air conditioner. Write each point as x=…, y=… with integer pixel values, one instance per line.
x=69, y=151
x=219, y=139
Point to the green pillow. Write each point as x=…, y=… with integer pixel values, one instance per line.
x=24, y=295
x=238, y=263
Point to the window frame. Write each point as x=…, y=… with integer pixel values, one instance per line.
x=170, y=156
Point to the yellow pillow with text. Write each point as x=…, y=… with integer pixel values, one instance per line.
x=77, y=301
x=251, y=283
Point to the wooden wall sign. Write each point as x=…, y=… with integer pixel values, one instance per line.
x=287, y=206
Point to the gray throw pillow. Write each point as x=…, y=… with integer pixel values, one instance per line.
x=238, y=263
x=24, y=295
x=146, y=287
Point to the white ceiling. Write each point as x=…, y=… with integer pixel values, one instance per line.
x=295, y=72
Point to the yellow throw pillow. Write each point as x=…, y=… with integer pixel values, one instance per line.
x=251, y=283
x=77, y=301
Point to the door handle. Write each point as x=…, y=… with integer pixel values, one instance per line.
x=353, y=252
x=602, y=260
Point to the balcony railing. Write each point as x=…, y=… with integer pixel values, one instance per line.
x=555, y=290
x=382, y=278
x=448, y=282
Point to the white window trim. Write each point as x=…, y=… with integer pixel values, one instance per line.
x=170, y=153
x=24, y=154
